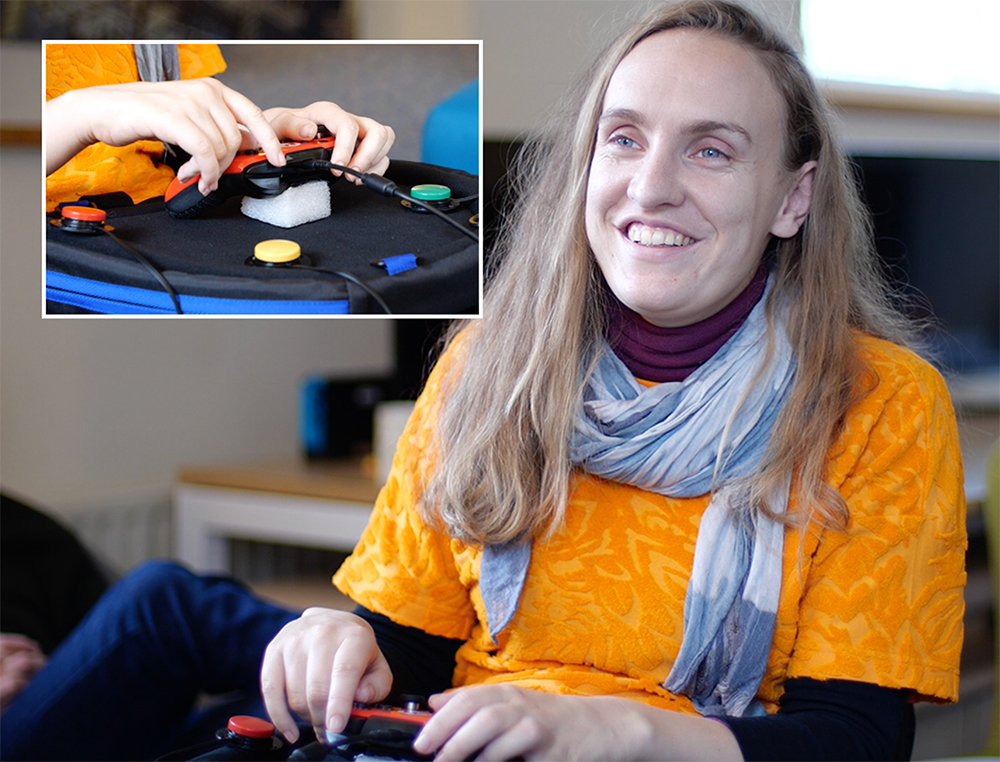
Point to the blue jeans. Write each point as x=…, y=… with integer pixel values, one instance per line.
x=123, y=684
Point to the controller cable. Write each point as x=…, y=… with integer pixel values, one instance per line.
x=176, y=299
x=152, y=269
x=93, y=226
x=348, y=277
x=377, y=183
x=385, y=187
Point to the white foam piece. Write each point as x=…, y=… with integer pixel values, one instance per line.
x=296, y=206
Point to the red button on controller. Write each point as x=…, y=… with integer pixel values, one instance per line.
x=251, y=727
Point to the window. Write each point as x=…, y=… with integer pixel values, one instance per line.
x=911, y=43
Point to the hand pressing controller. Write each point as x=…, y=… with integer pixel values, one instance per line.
x=373, y=730
x=251, y=174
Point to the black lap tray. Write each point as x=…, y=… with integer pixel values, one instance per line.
x=204, y=258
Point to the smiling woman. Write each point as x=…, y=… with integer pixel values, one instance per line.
x=682, y=492
x=678, y=494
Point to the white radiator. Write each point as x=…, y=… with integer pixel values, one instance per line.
x=123, y=536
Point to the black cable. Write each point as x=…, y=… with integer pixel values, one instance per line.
x=385, y=187
x=373, y=182
x=176, y=300
x=152, y=269
x=348, y=277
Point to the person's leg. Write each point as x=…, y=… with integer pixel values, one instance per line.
x=48, y=579
x=127, y=676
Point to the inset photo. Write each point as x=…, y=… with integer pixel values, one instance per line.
x=250, y=179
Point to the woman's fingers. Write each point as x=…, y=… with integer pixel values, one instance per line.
x=317, y=666
x=357, y=666
x=250, y=116
x=273, y=687
x=360, y=143
x=371, y=151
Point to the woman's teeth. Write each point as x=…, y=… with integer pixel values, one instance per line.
x=648, y=236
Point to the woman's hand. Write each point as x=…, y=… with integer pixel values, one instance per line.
x=20, y=659
x=319, y=665
x=203, y=116
x=496, y=722
x=362, y=143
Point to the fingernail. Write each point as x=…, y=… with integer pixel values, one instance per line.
x=306, y=131
x=335, y=723
x=419, y=743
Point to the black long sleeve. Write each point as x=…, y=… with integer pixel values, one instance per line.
x=831, y=719
x=827, y=720
x=421, y=664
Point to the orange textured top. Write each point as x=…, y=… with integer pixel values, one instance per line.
x=602, y=607
x=99, y=168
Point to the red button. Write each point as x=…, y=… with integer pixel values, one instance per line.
x=251, y=727
x=85, y=213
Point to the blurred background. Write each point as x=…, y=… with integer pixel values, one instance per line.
x=186, y=437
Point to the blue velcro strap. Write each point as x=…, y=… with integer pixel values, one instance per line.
x=400, y=263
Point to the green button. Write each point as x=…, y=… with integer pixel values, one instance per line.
x=430, y=192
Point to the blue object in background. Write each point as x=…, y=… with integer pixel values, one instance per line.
x=451, y=132
x=314, y=414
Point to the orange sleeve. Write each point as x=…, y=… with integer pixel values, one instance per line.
x=884, y=600
x=200, y=60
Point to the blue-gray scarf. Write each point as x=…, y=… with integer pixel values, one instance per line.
x=705, y=434
x=157, y=63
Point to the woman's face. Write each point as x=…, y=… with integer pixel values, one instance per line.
x=687, y=185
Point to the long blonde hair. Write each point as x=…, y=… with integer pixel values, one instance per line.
x=507, y=407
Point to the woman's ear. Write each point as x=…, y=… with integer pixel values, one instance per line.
x=796, y=205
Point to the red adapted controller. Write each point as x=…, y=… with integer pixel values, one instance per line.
x=368, y=718
x=251, y=174
x=382, y=729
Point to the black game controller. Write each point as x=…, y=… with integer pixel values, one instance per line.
x=243, y=738
x=251, y=174
x=372, y=730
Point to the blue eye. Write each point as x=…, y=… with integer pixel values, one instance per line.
x=623, y=141
x=710, y=152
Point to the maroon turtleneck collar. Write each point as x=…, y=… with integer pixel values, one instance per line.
x=660, y=354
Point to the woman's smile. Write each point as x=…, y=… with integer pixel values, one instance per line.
x=652, y=235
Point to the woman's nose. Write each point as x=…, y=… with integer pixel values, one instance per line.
x=658, y=181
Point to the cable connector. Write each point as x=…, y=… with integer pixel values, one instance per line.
x=379, y=184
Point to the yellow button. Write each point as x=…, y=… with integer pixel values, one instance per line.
x=277, y=250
